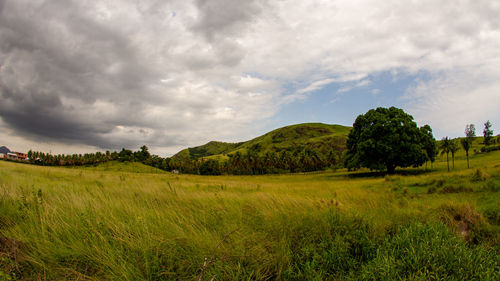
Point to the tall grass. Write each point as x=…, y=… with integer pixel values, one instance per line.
x=131, y=223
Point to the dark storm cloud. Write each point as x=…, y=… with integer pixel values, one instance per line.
x=118, y=74
x=122, y=73
x=55, y=64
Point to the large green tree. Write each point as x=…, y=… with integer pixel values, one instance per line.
x=385, y=138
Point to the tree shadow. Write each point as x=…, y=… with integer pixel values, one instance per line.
x=377, y=174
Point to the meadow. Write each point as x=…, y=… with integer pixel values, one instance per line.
x=127, y=221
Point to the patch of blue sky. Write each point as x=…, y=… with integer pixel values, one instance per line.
x=341, y=103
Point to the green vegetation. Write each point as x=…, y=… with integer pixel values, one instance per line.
x=127, y=221
x=209, y=149
x=488, y=133
x=290, y=138
x=470, y=133
x=386, y=138
x=297, y=148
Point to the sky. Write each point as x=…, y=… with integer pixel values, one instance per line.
x=91, y=75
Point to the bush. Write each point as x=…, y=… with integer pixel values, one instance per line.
x=492, y=214
x=431, y=190
x=478, y=176
x=455, y=189
x=467, y=222
x=490, y=148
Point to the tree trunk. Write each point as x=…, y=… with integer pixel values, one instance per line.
x=448, y=161
x=467, y=154
x=453, y=160
x=391, y=169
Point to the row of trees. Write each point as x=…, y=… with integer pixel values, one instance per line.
x=448, y=146
x=47, y=159
x=381, y=139
x=386, y=138
x=251, y=163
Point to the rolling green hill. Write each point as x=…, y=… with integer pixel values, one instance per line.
x=319, y=137
x=211, y=148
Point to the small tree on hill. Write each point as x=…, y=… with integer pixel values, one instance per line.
x=445, y=148
x=470, y=133
x=384, y=138
x=454, y=147
x=488, y=133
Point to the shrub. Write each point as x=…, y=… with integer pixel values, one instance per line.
x=431, y=190
x=478, y=176
x=440, y=182
x=491, y=148
x=467, y=222
x=492, y=185
x=492, y=214
x=455, y=189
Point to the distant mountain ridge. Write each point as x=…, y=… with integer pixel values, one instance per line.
x=320, y=137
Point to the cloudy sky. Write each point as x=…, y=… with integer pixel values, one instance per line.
x=78, y=75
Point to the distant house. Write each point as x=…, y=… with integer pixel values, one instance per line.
x=12, y=156
x=21, y=156
x=17, y=156
x=2, y=155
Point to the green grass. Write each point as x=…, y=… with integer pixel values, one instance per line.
x=130, y=222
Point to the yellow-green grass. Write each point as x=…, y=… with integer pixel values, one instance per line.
x=131, y=222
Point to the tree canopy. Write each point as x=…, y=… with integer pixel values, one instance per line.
x=488, y=133
x=386, y=138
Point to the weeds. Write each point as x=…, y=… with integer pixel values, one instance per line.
x=328, y=226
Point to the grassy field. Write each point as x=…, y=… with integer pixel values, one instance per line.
x=131, y=222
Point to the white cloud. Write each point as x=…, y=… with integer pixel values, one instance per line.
x=188, y=72
x=452, y=100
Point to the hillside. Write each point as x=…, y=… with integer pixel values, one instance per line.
x=322, y=138
x=127, y=167
x=211, y=148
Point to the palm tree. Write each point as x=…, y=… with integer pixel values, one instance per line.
x=453, y=148
x=466, y=144
x=445, y=148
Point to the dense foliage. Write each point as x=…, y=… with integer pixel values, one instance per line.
x=488, y=133
x=296, y=148
x=386, y=138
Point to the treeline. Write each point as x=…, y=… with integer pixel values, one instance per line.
x=250, y=163
x=256, y=162
x=47, y=159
